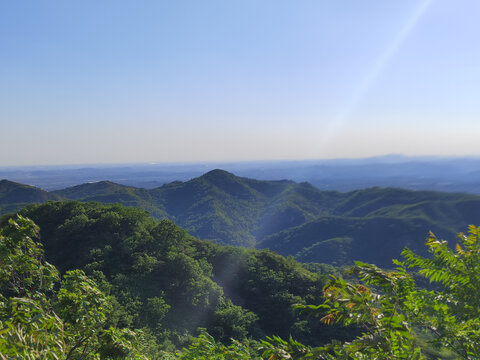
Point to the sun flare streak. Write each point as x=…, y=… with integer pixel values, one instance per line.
x=342, y=117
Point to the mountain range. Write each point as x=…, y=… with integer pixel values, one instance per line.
x=290, y=218
x=450, y=174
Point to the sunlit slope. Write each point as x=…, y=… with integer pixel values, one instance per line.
x=230, y=209
x=219, y=206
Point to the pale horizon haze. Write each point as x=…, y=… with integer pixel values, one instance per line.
x=185, y=81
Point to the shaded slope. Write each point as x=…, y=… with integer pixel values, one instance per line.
x=368, y=201
x=14, y=196
x=341, y=240
x=294, y=206
x=452, y=210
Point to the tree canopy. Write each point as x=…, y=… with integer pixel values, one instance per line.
x=143, y=286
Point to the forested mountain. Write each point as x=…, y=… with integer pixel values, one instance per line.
x=450, y=174
x=151, y=286
x=340, y=240
x=218, y=205
x=291, y=218
x=171, y=283
x=14, y=196
x=109, y=192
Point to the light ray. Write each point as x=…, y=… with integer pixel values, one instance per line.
x=340, y=120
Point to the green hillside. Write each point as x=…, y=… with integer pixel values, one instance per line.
x=14, y=196
x=340, y=240
x=171, y=283
x=108, y=192
x=291, y=218
x=218, y=206
x=132, y=287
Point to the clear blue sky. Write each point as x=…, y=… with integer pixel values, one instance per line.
x=118, y=81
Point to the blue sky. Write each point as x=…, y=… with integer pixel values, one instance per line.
x=168, y=81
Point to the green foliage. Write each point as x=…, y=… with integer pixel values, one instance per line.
x=22, y=271
x=231, y=321
x=28, y=330
x=38, y=322
x=451, y=315
x=170, y=283
x=387, y=330
x=161, y=279
x=391, y=310
x=204, y=347
x=275, y=348
x=268, y=285
x=83, y=309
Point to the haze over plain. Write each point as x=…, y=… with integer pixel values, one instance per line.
x=118, y=81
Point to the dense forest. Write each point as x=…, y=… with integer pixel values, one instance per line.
x=296, y=219
x=161, y=275
x=129, y=282
x=123, y=285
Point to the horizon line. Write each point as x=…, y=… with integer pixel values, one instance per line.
x=210, y=162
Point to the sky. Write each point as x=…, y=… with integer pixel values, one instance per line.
x=114, y=81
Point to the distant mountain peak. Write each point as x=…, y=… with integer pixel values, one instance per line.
x=218, y=172
x=8, y=182
x=96, y=184
x=103, y=182
x=13, y=192
x=222, y=178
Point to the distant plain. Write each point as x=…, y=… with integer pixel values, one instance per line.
x=451, y=174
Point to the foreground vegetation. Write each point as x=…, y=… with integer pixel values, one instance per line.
x=164, y=280
x=128, y=303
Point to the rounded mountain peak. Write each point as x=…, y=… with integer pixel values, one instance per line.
x=218, y=173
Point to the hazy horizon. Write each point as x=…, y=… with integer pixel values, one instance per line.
x=381, y=158
x=187, y=82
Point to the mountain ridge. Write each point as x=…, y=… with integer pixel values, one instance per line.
x=284, y=215
x=14, y=196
